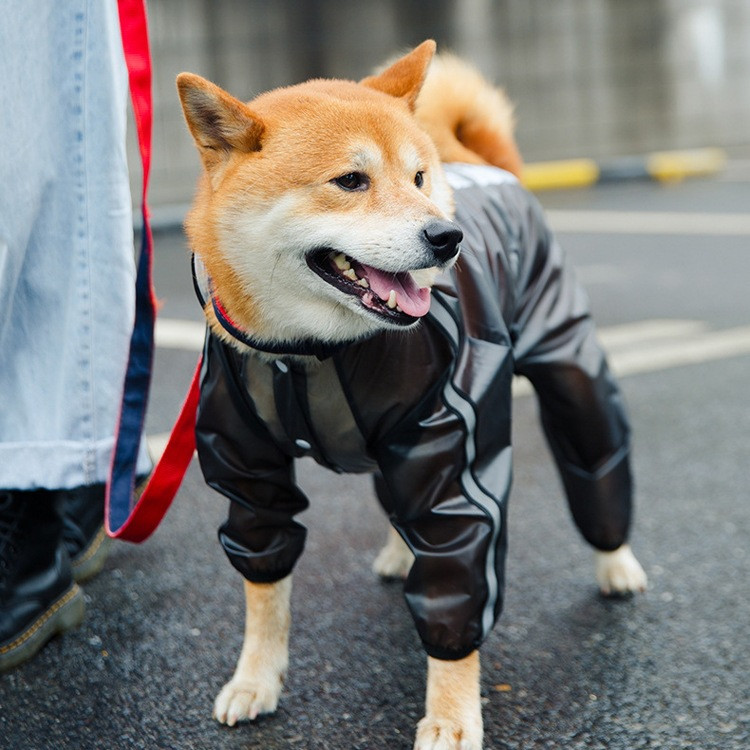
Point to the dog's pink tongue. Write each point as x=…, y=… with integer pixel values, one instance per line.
x=413, y=300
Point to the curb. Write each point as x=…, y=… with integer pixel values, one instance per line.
x=661, y=166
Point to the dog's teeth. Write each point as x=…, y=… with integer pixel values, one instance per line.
x=392, y=299
x=341, y=262
x=398, y=308
x=363, y=283
x=350, y=274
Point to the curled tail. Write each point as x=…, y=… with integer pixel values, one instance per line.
x=470, y=120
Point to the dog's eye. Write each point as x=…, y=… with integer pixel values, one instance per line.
x=352, y=181
x=419, y=179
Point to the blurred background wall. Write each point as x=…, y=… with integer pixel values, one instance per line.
x=593, y=78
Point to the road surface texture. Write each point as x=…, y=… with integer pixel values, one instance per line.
x=668, y=269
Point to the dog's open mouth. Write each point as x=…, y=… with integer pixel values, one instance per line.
x=395, y=296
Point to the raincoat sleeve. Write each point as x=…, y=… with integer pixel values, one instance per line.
x=240, y=459
x=581, y=406
x=445, y=476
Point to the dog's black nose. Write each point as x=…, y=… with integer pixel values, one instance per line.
x=443, y=237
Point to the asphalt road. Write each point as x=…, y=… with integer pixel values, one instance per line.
x=563, y=668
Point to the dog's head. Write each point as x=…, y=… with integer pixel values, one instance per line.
x=323, y=211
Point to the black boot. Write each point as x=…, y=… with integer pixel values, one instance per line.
x=38, y=597
x=85, y=538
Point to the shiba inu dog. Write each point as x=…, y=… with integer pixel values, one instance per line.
x=368, y=305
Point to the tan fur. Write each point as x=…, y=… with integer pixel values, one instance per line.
x=256, y=685
x=453, y=717
x=399, y=80
x=469, y=120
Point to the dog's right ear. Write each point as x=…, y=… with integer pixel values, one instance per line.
x=218, y=122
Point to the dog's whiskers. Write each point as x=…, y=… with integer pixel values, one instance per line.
x=273, y=270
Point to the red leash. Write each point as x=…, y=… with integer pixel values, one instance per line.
x=153, y=503
x=127, y=516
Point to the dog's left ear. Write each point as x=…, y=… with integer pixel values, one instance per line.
x=404, y=78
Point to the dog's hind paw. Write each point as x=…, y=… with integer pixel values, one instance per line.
x=618, y=573
x=245, y=700
x=444, y=734
x=395, y=559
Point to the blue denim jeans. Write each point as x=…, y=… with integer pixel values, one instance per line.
x=66, y=243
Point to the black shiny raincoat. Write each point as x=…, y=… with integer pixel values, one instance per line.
x=428, y=412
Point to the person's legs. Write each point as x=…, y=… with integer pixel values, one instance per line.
x=67, y=270
x=66, y=281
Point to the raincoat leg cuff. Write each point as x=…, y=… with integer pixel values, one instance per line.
x=444, y=654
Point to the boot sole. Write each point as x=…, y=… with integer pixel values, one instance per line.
x=65, y=614
x=90, y=560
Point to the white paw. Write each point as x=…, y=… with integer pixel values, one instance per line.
x=394, y=560
x=245, y=700
x=619, y=573
x=444, y=734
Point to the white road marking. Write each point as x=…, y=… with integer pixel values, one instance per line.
x=156, y=444
x=652, y=345
x=649, y=222
x=187, y=335
x=706, y=347
x=646, y=331
x=632, y=348
x=170, y=333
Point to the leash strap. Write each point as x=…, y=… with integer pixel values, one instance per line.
x=127, y=516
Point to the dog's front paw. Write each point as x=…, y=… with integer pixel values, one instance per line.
x=245, y=700
x=618, y=573
x=444, y=734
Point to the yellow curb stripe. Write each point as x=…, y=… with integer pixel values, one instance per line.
x=664, y=166
x=668, y=166
x=551, y=175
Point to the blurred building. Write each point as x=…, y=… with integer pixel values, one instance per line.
x=589, y=77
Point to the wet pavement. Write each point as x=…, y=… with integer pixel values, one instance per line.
x=564, y=668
